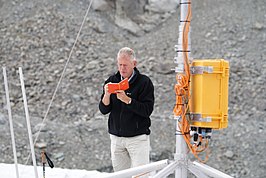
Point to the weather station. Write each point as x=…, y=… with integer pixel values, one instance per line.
x=201, y=106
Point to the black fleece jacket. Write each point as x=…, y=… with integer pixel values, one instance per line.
x=128, y=120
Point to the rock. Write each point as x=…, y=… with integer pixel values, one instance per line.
x=39, y=127
x=2, y=119
x=40, y=145
x=102, y=27
x=229, y=154
x=127, y=24
x=162, y=6
x=163, y=68
x=131, y=9
x=258, y=26
x=100, y=5
x=59, y=156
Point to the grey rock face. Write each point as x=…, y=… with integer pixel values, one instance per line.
x=38, y=36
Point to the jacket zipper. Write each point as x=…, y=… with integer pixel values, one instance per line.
x=120, y=119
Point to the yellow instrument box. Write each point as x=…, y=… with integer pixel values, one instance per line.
x=209, y=93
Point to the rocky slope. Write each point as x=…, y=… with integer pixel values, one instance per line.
x=38, y=36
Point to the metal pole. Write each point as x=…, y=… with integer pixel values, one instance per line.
x=181, y=153
x=209, y=170
x=167, y=170
x=179, y=59
x=10, y=122
x=181, y=146
x=43, y=162
x=138, y=170
x=28, y=121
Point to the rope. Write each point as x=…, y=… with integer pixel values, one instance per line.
x=61, y=77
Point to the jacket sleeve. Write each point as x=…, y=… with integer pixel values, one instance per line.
x=104, y=109
x=144, y=106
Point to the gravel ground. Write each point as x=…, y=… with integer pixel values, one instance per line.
x=38, y=36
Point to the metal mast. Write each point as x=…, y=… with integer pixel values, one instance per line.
x=182, y=54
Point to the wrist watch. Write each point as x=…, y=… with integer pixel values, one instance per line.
x=129, y=102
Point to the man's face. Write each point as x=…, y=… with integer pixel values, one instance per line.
x=125, y=65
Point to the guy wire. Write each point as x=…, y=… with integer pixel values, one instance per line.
x=61, y=78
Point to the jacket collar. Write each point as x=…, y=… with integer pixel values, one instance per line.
x=132, y=78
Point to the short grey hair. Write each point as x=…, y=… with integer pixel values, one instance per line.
x=128, y=51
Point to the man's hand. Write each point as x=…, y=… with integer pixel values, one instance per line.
x=106, y=97
x=121, y=95
x=106, y=91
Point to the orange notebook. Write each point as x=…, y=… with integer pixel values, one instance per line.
x=123, y=85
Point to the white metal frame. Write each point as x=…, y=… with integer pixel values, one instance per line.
x=10, y=121
x=27, y=120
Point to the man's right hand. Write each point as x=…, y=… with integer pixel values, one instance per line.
x=106, y=97
x=106, y=92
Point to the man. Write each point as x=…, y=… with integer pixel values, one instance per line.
x=130, y=110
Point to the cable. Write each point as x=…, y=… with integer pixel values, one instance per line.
x=182, y=91
x=61, y=77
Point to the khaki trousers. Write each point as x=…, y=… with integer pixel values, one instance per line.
x=128, y=152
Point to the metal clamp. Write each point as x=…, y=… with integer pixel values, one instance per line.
x=198, y=118
x=201, y=69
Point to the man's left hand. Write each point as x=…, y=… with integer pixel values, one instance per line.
x=121, y=95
